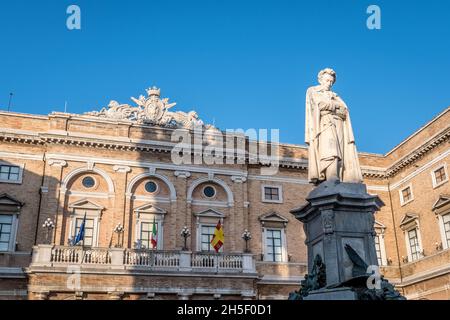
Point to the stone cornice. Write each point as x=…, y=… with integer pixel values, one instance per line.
x=28, y=137
x=419, y=152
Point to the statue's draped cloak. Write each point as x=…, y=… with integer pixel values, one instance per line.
x=351, y=171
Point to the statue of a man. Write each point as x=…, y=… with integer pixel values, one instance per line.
x=329, y=134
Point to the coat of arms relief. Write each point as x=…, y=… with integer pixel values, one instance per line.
x=150, y=110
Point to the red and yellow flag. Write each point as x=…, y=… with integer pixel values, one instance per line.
x=218, y=238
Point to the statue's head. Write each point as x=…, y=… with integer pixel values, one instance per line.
x=327, y=77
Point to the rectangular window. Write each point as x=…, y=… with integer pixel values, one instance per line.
x=88, y=231
x=207, y=233
x=274, y=247
x=378, y=250
x=414, y=244
x=146, y=234
x=406, y=195
x=446, y=221
x=5, y=231
x=272, y=194
x=440, y=176
x=9, y=173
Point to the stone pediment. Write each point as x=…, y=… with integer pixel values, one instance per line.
x=408, y=219
x=442, y=204
x=85, y=204
x=273, y=217
x=379, y=225
x=9, y=204
x=7, y=200
x=149, y=209
x=210, y=213
x=151, y=110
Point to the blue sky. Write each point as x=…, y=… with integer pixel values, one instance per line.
x=246, y=64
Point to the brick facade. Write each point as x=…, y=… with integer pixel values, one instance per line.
x=58, y=151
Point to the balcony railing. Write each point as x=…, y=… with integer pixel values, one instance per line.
x=144, y=260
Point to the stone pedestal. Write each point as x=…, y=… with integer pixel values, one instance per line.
x=332, y=294
x=337, y=214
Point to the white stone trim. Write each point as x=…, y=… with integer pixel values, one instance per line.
x=440, y=217
x=81, y=170
x=57, y=163
x=378, y=188
x=284, y=255
x=142, y=164
x=425, y=275
x=199, y=226
x=408, y=246
x=199, y=181
x=278, y=179
x=418, y=295
x=21, y=170
x=206, y=203
x=418, y=131
x=14, y=228
x=280, y=193
x=101, y=195
x=380, y=236
x=433, y=176
x=182, y=174
x=238, y=179
x=148, y=198
x=149, y=218
x=21, y=156
x=423, y=168
x=90, y=214
x=121, y=169
x=402, y=200
x=173, y=193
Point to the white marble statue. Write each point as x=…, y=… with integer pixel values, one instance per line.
x=329, y=134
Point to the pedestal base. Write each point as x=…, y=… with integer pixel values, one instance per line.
x=332, y=294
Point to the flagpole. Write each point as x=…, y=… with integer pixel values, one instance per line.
x=217, y=262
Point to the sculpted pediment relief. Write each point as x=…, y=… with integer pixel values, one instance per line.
x=211, y=213
x=273, y=217
x=442, y=205
x=85, y=204
x=7, y=200
x=149, y=209
x=408, y=221
x=150, y=110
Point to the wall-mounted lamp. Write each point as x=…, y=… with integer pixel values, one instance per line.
x=48, y=226
x=119, y=229
x=185, y=233
x=247, y=236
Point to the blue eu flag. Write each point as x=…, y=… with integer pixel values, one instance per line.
x=80, y=235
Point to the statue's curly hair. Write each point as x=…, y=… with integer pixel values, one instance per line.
x=329, y=71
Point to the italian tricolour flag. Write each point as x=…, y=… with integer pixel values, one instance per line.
x=154, y=238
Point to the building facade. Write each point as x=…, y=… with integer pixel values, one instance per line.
x=115, y=174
